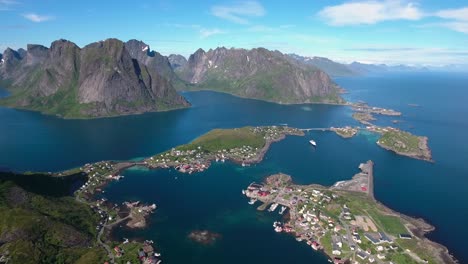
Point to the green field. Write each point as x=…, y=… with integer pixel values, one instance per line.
x=391, y=224
x=400, y=141
x=361, y=205
x=219, y=139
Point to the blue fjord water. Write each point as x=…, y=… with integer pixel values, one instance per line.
x=212, y=200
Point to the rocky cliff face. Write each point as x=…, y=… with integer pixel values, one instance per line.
x=259, y=73
x=102, y=79
x=177, y=61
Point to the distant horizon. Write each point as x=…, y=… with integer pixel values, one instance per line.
x=392, y=32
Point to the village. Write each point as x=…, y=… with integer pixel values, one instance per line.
x=234, y=146
x=133, y=214
x=334, y=219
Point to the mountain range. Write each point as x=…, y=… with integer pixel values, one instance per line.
x=336, y=69
x=111, y=77
x=104, y=78
x=257, y=73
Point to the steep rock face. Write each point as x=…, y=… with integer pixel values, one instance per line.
x=177, y=61
x=259, y=73
x=36, y=54
x=10, y=60
x=102, y=79
x=153, y=60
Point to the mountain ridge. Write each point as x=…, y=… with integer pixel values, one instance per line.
x=259, y=74
x=101, y=79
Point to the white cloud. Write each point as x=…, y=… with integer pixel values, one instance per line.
x=204, y=32
x=458, y=19
x=370, y=12
x=239, y=12
x=37, y=18
x=7, y=4
x=459, y=26
x=456, y=14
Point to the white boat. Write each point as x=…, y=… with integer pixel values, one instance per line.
x=313, y=143
x=283, y=208
x=273, y=207
x=278, y=229
x=243, y=191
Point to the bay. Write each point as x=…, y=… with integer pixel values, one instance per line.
x=212, y=199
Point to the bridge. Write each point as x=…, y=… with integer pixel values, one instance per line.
x=315, y=129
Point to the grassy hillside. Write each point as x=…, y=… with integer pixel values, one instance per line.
x=35, y=228
x=219, y=139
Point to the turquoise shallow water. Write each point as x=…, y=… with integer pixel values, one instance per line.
x=212, y=199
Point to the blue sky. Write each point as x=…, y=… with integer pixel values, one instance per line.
x=431, y=32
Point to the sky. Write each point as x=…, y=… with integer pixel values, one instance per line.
x=414, y=32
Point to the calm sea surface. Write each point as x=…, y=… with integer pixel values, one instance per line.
x=212, y=200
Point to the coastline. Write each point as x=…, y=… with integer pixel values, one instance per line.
x=274, y=185
x=114, y=168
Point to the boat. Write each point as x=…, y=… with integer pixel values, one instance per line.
x=313, y=143
x=273, y=207
x=252, y=201
x=283, y=208
x=278, y=229
x=243, y=191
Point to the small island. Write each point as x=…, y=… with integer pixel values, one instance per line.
x=204, y=237
x=346, y=222
x=363, y=118
x=345, y=132
x=364, y=113
x=403, y=143
x=363, y=107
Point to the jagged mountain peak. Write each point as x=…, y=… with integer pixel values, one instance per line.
x=100, y=79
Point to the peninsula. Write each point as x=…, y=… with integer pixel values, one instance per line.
x=346, y=222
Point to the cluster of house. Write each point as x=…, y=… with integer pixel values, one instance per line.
x=185, y=161
x=380, y=130
x=144, y=209
x=146, y=254
x=308, y=222
x=276, y=132
x=346, y=131
x=363, y=107
x=97, y=175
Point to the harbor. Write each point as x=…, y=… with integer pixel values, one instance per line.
x=345, y=221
